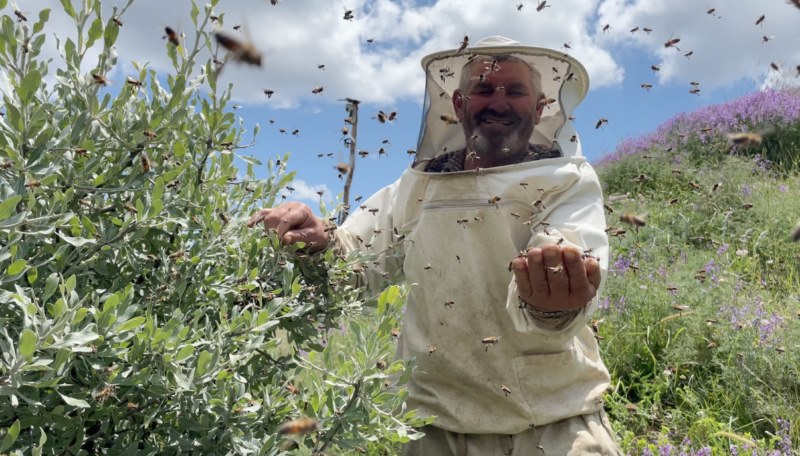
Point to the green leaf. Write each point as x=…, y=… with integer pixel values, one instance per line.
x=71, y=282
x=75, y=241
x=111, y=303
x=27, y=343
x=44, y=16
x=74, y=402
x=95, y=32
x=202, y=362
x=68, y=8
x=131, y=324
x=184, y=353
x=29, y=86
x=16, y=267
x=194, y=13
x=11, y=436
x=3, y=4
x=50, y=286
x=9, y=206
x=110, y=35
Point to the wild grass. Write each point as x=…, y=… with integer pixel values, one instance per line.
x=700, y=325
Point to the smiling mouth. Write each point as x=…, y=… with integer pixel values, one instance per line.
x=497, y=122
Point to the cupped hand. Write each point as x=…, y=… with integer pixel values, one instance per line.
x=552, y=278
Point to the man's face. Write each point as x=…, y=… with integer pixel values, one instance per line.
x=498, y=109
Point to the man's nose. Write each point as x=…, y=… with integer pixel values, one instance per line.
x=498, y=100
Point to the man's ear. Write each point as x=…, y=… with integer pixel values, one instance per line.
x=458, y=103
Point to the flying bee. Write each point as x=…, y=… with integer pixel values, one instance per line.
x=506, y=390
x=632, y=219
x=392, y=116
x=694, y=185
x=655, y=68
x=606, y=28
x=711, y=11
x=494, y=200
x=600, y=123
x=268, y=93
x=646, y=86
x=348, y=15
x=237, y=27
x=774, y=66
x=573, y=138
x=542, y=5
x=449, y=304
x=760, y=19
x=673, y=201
x=747, y=140
x=688, y=54
x=133, y=82
x=172, y=36
x=317, y=90
x=431, y=350
x=765, y=38
x=489, y=341
x=300, y=426
x=105, y=393
x=117, y=20
x=635, y=29
x=292, y=389
x=20, y=17
x=381, y=116
x=33, y=184
x=463, y=46
x=145, y=163
x=99, y=79
x=519, y=7
x=647, y=30
x=795, y=3
x=546, y=102
x=694, y=91
x=672, y=43
x=449, y=120
x=242, y=51
x=608, y=208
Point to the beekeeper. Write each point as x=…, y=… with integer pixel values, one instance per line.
x=498, y=228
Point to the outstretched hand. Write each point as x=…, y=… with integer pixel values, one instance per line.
x=293, y=222
x=552, y=278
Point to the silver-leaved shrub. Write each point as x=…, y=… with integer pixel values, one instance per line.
x=138, y=313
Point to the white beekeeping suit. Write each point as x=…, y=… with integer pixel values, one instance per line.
x=451, y=236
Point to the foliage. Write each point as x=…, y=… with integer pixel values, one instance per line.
x=140, y=315
x=699, y=318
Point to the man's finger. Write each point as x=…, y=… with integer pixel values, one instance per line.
x=540, y=288
x=520, y=267
x=592, y=272
x=307, y=235
x=578, y=282
x=291, y=219
x=258, y=217
x=557, y=277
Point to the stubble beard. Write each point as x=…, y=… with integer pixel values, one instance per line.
x=498, y=147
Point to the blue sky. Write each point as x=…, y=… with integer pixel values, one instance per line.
x=731, y=56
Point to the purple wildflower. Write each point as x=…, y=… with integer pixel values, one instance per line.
x=722, y=249
x=746, y=190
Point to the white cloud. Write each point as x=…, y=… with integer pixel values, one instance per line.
x=296, y=36
x=727, y=45
x=305, y=192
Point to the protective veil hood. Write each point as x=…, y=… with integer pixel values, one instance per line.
x=563, y=79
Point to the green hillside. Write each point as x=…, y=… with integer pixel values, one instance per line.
x=700, y=325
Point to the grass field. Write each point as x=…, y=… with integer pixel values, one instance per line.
x=700, y=319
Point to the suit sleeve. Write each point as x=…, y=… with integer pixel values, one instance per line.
x=576, y=215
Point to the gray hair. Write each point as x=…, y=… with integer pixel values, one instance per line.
x=464, y=81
